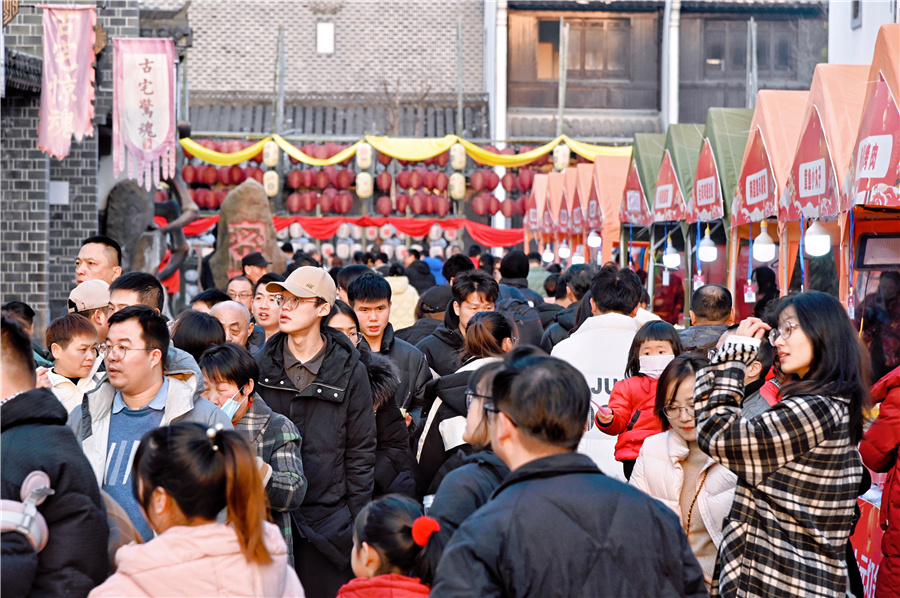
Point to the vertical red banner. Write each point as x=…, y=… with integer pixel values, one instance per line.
x=67, y=80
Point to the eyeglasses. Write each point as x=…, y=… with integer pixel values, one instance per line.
x=784, y=331
x=242, y=296
x=674, y=411
x=118, y=351
x=489, y=407
x=471, y=395
x=291, y=303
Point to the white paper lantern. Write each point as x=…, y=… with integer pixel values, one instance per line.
x=371, y=233
x=435, y=232
x=364, y=186
x=271, y=183
x=327, y=249
x=296, y=230
x=457, y=186
x=343, y=250
x=561, y=156
x=364, y=155
x=386, y=231
x=270, y=154
x=343, y=231
x=356, y=232
x=457, y=156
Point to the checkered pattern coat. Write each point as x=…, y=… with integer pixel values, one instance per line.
x=798, y=478
x=277, y=442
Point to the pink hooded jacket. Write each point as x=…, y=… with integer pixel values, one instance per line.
x=202, y=560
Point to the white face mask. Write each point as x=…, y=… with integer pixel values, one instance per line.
x=652, y=366
x=231, y=406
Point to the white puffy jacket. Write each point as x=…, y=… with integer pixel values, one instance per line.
x=403, y=302
x=658, y=472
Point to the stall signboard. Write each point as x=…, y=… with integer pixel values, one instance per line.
x=668, y=201
x=874, y=175
x=573, y=202
x=812, y=189
x=634, y=209
x=706, y=194
x=534, y=205
x=556, y=200
x=755, y=194
x=589, y=198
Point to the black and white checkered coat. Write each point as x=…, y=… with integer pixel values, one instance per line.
x=798, y=478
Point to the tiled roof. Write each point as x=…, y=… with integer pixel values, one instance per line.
x=22, y=71
x=337, y=115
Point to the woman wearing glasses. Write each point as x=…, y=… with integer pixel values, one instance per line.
x=797, y=463
x=672, y=469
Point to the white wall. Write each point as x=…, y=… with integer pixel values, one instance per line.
x=856, y=46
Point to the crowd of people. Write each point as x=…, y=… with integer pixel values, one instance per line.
x=475, y=426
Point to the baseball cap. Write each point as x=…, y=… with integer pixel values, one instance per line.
x=307, y=281
x=255, y=259
x=436, y=299
x=90, y=294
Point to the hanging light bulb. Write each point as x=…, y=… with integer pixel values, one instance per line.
x=671, y=258
x=594, y=240
x=547, y=256
x=817, y=240
x=578, y=256
x=763, y=245
x=707, y=250
x=564, y=251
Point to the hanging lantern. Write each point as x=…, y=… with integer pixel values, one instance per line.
x=327, y=249
x=457, y=186
x=764, y=247
x=384, y=181
x=435, y=232
x=343, y=231
x=271, y=183
x=457, y=156
x=364, y=156
x=343, y=250
x=383, y=206
x=364, y=185
x=671, y=257
x=561, y=156
x=270, y=154
x=371, y=233
x=402, y=202
x=707, y=250
x=293, y=203
x=387, y=231
x=356, y=232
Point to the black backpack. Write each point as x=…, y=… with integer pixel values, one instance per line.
x=526, y=318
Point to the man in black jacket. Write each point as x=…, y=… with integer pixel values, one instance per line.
x=474, y=291
x=35, y=438
x=429, y=314
x=556, y=526
x=313, y=375
x=514, y=273
x=578, y=282
x=370, y=297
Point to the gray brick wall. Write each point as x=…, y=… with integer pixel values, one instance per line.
x=23, y=206
x=375, y=41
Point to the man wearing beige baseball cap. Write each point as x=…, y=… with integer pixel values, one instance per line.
x=313, y=375
x=91, y=300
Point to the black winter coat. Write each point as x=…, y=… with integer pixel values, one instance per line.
x=443, y=348
x=465, y=489
x=336, y=417
x=35, y=437
x=559, y=330
x=548, y=313
x=429, y=445
x=420, y=276
x=423, y=328
x=558, y=527
x=414, y=373
x=522, y=285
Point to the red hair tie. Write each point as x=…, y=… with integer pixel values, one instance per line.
x=422, y=529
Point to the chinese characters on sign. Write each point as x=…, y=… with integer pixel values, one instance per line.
x=243, y=238
x=67, y=90
x=812, y=178
x=757, y=187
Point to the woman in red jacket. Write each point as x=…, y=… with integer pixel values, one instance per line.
x=629, y=414
x=879, y=453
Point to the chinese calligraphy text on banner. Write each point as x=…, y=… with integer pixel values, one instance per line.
x=67, y=91
x=144, y=109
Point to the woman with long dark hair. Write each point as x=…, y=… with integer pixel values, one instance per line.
x=766, y=289
x=797, y=463
x=184, y=476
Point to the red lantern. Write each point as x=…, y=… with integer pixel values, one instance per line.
x=189, y=174
x=237, y=175
x=526, y=179
x=403, y=179
x=258, y=158
x=441, y=181
x=442, y=159
x=210, y=145
x=383, y=181
x=480, y=204
x=331, y=149
x=441, y=205
x=187, y=154
x=384, y=159
x=293, y=203
x=310, y=199
x=320, y=152
x=294, y=179
x=402, y=202
x=510, y=181
x=258, y=174
x=429, y=161
x=492, y=179
x=307, y=177
x=225, y=175
x=344, y=202
x=477, y=181
x=493, y=204
x=415, y=180
x=418, y=202
x=508, y=207
x=429, y=203
x=508, y=151
x=199, y=197
x=332, y=171
x=344, y=178
x=429, y=180
x=383, y=205
x=521, y=204
x=327, y=201
x=321, y=179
